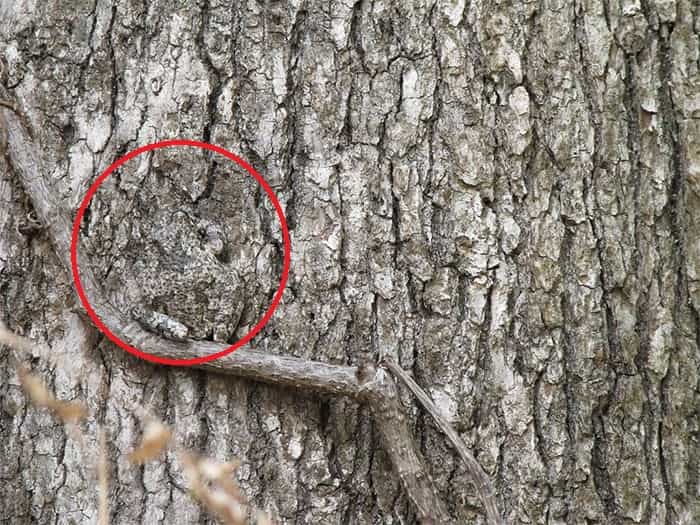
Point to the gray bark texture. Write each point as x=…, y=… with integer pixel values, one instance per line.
x=502, y=198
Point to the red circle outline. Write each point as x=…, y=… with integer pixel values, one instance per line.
x=74, y=253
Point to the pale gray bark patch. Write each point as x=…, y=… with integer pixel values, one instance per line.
x=504, y=198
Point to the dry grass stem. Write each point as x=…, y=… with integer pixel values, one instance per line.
x=14, y=341
x=66, y=411
x=155, y=439
x=211, y=484
x=24, y=345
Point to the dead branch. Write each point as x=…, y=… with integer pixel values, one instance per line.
x=377, y=389
x=479, y=478
x=392, y=422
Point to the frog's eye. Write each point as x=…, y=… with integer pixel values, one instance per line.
x=215, y=245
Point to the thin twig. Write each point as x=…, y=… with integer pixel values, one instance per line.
x=395, y=433
x=479, y=478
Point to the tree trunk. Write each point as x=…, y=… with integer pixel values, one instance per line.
x=504, y=199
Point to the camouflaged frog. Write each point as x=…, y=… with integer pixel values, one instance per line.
x=186, y=291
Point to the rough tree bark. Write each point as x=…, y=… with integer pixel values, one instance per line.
x=502, y=197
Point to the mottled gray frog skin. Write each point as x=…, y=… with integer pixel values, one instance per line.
x=180, y=276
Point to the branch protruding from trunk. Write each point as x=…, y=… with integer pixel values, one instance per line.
x=479, y=478
x=375, y=388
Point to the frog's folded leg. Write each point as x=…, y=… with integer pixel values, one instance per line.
x=160, y=323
